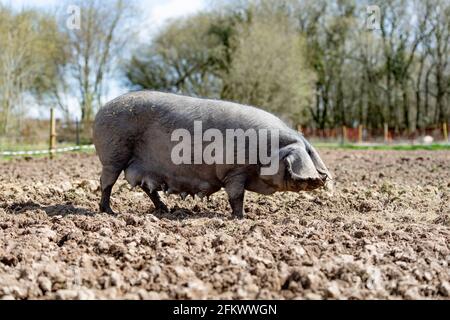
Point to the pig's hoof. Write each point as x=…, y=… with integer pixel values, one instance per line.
x=110, y=212
x=162, y=208
x=107, y=210
x=237, y=216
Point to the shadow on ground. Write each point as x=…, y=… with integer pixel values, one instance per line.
x=51, y=210
x=176, y=213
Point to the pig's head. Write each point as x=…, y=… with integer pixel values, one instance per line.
x=300, y=168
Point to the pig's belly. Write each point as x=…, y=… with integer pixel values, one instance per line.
x=173, y=179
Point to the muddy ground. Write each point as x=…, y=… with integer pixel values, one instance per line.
x=383, y=234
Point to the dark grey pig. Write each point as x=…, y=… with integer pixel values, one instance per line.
x=133, y=133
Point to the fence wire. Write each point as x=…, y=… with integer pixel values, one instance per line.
x=48, y=151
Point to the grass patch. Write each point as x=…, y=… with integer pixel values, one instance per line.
x=37, y=147
x=23, y=147
x=402, y=147
x=30, y=147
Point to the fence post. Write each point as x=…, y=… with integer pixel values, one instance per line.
x=344, y=135
x=360, y=133
x=77, y=128
x=386, y=133
x=444, y=129
x=52, y=140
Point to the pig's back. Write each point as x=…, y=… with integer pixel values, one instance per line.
x=176, y=111
x=140, y=123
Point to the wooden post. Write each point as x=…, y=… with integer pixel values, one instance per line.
x=360, y=133
x=444, y=129
x=299, y=128
x=386, y=133
x=52, y=140
x=344, y=134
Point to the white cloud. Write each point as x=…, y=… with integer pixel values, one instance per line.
x=157, y=12
x=173, y=9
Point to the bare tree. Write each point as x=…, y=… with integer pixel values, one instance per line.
x=95, y=47
x=439, y=50
x=183, y=57
x=397, y=75
x=27, y=40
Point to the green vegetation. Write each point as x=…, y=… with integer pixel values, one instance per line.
x=401, y=147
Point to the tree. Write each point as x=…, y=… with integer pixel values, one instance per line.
x=27, y=38
x=246, y=54
x=268, y=69
x=439, y=50
x=95, y=48
x=183, y=58
x=290, y=56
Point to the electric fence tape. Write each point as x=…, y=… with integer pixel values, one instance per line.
x=37, y=152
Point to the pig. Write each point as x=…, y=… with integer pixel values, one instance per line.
x=134, y=134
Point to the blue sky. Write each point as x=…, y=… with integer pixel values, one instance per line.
x=154, y=12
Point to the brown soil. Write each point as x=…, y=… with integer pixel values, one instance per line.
x=384, y=233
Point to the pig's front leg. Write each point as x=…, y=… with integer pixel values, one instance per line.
x=154, y=196
x=235, y=188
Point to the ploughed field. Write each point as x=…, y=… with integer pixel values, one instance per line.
x=383, y=233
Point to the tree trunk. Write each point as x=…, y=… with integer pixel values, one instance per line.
x=427, y=95
x=405, y=106
x=440, y=93
x=418, y=123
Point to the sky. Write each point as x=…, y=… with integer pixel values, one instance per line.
x=157, y=11
x=154, y=12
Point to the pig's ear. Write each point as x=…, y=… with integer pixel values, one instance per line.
x=299, y=165
x=318, y=163
x=294, y=164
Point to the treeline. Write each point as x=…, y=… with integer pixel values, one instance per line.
x=316, y=63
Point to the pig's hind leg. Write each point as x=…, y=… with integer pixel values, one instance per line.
x=235, y=189
x=115, y=153
x=107, y=180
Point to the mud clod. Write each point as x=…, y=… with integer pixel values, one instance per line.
x=384, y=233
